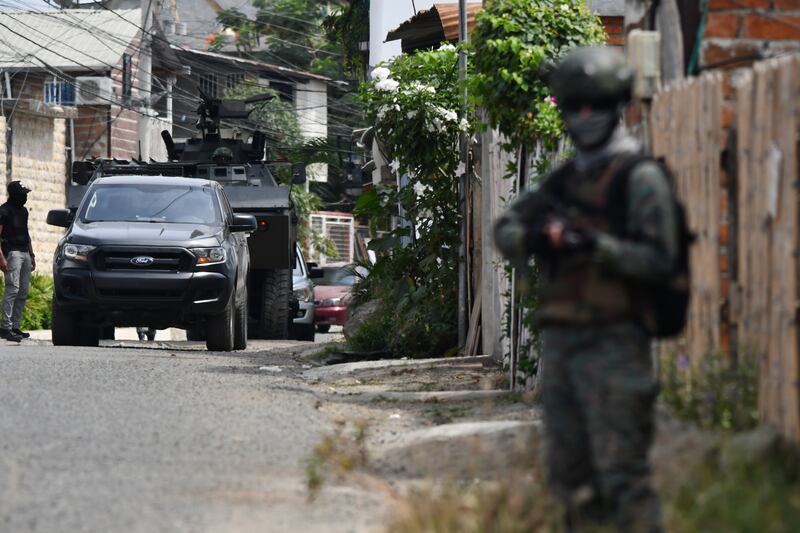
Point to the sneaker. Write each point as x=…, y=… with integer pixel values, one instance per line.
x=19, y=332
x=10, y=335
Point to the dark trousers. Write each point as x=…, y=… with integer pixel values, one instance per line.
x=598, y=392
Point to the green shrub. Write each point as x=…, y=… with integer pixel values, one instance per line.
x=712, y=393
x=742, y=494
x=38, y=308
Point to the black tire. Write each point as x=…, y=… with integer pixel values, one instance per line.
x=220, y=329
x=196, y=333
x=240, y=326
x=66, y=331
x=275, y=302
x=151, y=334
x=63, y=328
x=323, y=328
x=107, y=333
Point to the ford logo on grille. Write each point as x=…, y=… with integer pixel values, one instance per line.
x=142, y=260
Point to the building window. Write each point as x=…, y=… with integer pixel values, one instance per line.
x=57, y=92
x=208, y=85
x=127, y=76
x=233, y=79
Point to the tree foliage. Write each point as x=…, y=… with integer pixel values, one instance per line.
x=512, y=44
x=284, y=32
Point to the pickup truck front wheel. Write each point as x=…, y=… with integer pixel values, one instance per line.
x=240, y=325
x=220, y=332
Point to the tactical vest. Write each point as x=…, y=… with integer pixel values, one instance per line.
x=575, y=289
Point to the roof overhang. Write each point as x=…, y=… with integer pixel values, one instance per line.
x=430, y=27
x=254, y=64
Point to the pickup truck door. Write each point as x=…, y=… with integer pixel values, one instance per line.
x=240, y=244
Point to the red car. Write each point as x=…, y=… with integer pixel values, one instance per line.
x=332, y=296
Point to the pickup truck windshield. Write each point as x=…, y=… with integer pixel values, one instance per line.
x=151, y=203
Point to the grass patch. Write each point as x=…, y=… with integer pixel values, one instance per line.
x=739, y=494
x=38, y=313
x=522, y=504
x=336, y=456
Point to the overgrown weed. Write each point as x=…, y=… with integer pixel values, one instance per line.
x=712, y=393
x=740, y=494
x=521, y=504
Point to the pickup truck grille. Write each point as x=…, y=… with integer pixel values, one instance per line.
x=164, y=260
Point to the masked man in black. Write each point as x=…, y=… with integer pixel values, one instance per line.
x=17, y=260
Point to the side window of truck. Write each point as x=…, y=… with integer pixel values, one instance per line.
x=226, y=206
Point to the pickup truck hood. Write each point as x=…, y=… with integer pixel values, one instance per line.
x=145, y=234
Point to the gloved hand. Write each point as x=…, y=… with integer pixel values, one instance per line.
x=562, y=238
x=510, y=238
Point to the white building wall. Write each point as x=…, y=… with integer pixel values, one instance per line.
x=311, y=103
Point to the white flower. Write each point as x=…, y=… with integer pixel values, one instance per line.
x=564, y=7
x=411, y=114
x=447, y=114
x=463, y=125
x=420, y=189
x=382, y=112
x=388, y=85
x=447, y=47
x=395, y=165
x=461, y=168
x=423, y=88
x=381, y=73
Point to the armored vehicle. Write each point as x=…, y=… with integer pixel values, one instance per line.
x=251, y=188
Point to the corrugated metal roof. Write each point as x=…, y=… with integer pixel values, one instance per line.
x=432, y=26
x=74, y=39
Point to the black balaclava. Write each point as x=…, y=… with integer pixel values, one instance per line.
x=591, y=127
x=17, y=198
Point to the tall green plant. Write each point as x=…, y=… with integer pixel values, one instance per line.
x=413, y=102
x=513, y=43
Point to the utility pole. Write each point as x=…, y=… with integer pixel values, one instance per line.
x=145, y=75
x=463, y=37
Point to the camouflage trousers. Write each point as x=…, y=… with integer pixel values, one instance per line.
x=599, y=390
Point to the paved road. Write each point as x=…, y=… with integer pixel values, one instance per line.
x=150, y=440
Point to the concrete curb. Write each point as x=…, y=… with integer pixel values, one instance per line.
x=426, y=396
x=348, y=368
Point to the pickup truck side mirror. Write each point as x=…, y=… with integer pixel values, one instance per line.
x=243, y=223
x=299, y=173
x=315, y=273
x=59, y=217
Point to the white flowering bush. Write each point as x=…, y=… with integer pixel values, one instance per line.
x=413, y=102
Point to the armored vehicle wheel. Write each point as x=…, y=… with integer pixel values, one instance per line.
x=240, y=326
x=275, y=294
x=67, y=332
x=196, y=333
x=220, y=329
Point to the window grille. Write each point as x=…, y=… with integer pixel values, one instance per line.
x=58, y=92
x=208, y=84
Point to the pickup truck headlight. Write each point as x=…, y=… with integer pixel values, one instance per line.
x=209, y=256
x=304, y=294
x=331, y=302
x=77, y=252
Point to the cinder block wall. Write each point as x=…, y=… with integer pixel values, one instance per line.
x=39, y=160
x=739, y=32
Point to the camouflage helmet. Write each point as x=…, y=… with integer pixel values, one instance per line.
x=223, y=154
x=591, y=75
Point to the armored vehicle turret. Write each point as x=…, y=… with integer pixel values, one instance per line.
x=250, y=187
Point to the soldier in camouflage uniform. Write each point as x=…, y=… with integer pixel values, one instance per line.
x=596, y=257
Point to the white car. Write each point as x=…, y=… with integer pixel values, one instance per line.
x=302, y=327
